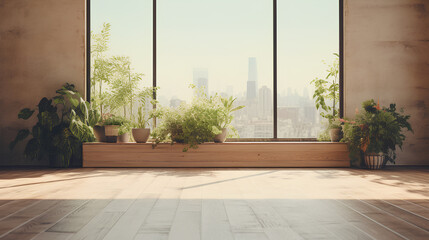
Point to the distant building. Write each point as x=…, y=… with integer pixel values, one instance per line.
x=201, y=79
x=252, y=80
x=175, y=102
x=265, y=103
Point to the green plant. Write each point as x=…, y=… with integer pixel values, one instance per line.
x=335, y=123
x=64, y=122
x=376, y=130
x=191, y=125
x=125, y=127
x=195, y=123
x=225, y=109
x=143, y=114
x=114, y=120
x=114, y=83
x=326, y=90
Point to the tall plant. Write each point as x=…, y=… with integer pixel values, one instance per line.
x=101, y=66
x=64, y=123
x=326, y=93
x=115, y=84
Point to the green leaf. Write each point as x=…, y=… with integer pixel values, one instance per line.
x=237, y=108
x=33, y=149
x=74, y=102
x=45, y=105
x=25, y=113
x=59, y=100
x=21, y=135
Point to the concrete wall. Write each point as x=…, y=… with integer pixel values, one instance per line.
x=387, y=57
x=42, y=46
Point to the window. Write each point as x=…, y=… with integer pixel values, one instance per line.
x=224, y=47
x=307, y=38
x=229, y=47
x=121, y=54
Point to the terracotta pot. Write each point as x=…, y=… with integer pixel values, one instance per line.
x=141, y=135
x=124, y=138
x=220, y=138
x=375, y=161
x=99, y=133
x=335, y=134
x=111, y=130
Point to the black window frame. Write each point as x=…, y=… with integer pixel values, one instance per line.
x=275, y=122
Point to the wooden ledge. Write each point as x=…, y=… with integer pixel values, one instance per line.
x=230, y=154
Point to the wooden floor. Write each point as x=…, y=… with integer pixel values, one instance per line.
x=215, y=204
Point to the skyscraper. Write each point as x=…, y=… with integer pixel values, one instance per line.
x=201, y=79
x=252, y=80
x=265, y=103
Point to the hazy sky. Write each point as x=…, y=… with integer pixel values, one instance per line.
x=221, y=35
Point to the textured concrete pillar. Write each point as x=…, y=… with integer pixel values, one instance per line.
x=387, y=58
x=42, y=46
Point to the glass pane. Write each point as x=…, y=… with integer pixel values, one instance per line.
x=307, y=38
x=121, y=54
x=224, y=46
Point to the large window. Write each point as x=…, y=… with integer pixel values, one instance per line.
x=308, y=37
x=224, y=47
x=263, y=53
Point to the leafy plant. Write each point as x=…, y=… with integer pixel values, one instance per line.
x=376, y=130
x=335, y=123
x=226, y=108
x=64, y=122
x=144, y=115
x=197, y=122
x=327, y=90
x=114, y=83
x=125, y=128
x=114, y=120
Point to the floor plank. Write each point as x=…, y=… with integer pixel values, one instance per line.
x=44, y=221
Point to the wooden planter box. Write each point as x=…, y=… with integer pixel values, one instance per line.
x=236, y=154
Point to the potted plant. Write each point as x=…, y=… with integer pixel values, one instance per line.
x=327, y=98
x=63, y=124
x=335, y=130
x=190, y=124
x=111, y=127
x=225, y=117
x=124, y=131
x=140, y=132
x=99, y=133
x=375, y=134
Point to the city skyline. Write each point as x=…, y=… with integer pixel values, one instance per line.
x=296, y=111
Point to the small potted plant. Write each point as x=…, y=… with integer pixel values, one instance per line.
x=141, y=133
x=226, y=108
x=335, y=130
x=99, y=132
x=111, y=127
x=375, y=134
x=190, y=124
x=124, y=131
